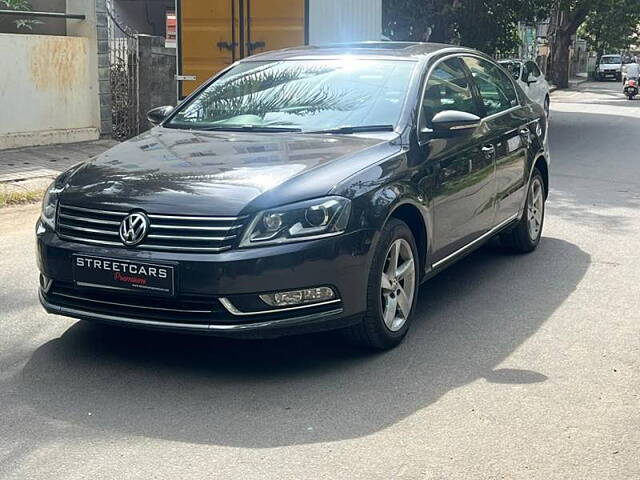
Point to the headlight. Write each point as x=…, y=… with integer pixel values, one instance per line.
x=49, y=206
x=308, y=220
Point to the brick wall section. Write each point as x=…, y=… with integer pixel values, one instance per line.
x=157, y=69
x=104, y=87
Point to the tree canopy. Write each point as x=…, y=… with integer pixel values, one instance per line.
x=488, y=25
x=612, y=26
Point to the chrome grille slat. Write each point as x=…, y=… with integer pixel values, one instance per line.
x=193, y=239
x=88, y=240
x=189, y=249
x=203, y=229
x=88, y=220
x=196, y=219
x=166, y=232
x=90, y=230
x=92, y=210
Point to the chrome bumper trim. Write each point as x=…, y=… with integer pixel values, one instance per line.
x=226, y=303
x=76, y=313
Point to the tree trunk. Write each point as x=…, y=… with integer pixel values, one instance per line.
x=560, y=60
x=566, y=26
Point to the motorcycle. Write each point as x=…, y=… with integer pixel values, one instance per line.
x=631, y=88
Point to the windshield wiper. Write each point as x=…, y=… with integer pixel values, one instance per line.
x=356, y=129
x=250, y=128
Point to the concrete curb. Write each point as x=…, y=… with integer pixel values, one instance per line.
x=572, y=84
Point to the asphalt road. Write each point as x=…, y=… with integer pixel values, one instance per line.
x=517, y=366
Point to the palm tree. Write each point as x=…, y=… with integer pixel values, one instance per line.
x=271, y=89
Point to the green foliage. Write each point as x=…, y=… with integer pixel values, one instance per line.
x=612, y=25
x=23, y=5
x=488, y=25
x=265, y=89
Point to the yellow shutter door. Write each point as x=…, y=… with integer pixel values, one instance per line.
x=274, y=24
x=205, y=30
x=211, y=37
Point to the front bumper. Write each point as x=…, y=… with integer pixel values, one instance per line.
x=203, y=280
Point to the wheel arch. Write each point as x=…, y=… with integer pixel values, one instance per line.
x=541, y=164
x=410, y=214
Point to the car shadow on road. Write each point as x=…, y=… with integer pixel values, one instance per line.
x=305, y=389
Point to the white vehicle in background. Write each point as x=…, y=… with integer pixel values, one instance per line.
x=531, y=79
x=609, y=66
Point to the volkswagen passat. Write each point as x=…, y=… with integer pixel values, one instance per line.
x=300, y=190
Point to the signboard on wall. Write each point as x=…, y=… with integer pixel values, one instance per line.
x=171, y=23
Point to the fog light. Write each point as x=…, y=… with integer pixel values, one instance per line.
x=299, y=297
x=40, y=228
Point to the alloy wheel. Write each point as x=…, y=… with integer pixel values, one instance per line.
x=398, y=284
x=535, y=208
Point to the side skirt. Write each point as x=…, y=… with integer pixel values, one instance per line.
x=471, y=246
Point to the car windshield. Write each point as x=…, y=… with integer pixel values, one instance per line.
x=611, y=60
x=301, y=95
x=513, y=68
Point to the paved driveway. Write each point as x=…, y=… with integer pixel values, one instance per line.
x=517, y=366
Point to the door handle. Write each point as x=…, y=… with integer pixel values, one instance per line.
x=448, y=172
x=227, y=45
x=525, y=133
x=251, y=46
x=489, y=151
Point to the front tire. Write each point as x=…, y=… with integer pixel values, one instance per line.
x=392, y=290
x=547, y=106
x=525, y=236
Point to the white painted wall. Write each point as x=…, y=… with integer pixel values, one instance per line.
x=337, y=21
x=48, y=93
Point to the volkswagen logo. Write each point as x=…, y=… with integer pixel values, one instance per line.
x=133, y=228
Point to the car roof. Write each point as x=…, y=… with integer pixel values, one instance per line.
x=375, y=50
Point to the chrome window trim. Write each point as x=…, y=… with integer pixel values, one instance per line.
x=231, y=308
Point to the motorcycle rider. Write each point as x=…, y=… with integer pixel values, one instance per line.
x=631, y=71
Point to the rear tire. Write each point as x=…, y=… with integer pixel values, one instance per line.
x=392, y=290
x=525, y=236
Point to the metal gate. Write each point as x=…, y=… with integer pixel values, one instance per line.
x=123, y=76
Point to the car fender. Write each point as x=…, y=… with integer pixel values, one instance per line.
x=389, y=199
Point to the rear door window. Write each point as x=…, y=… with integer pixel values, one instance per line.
x=532, y=69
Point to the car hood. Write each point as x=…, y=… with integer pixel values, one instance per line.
x=170, y=171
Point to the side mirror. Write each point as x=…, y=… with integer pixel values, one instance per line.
x=449, y=122
x=532, y=79
x=157, y=115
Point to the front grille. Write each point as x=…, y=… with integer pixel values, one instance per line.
x=166, y=232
